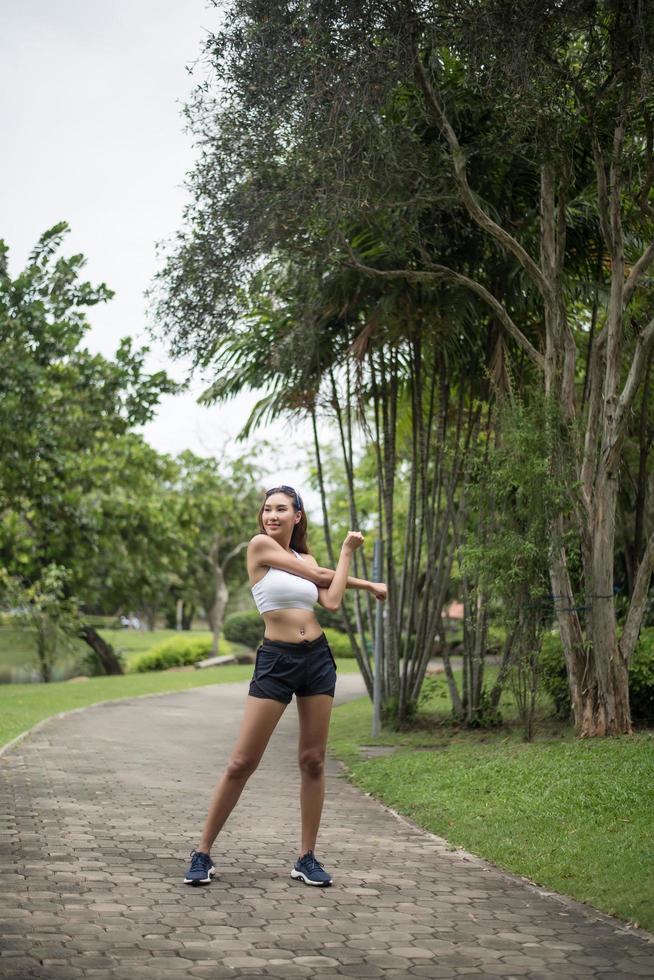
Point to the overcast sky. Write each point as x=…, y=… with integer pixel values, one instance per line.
x=91, y=99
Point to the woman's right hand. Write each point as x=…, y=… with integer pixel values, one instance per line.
x=353, y=541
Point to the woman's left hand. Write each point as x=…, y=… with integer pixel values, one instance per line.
x=379, y=590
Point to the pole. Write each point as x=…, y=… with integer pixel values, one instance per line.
x=377, y=569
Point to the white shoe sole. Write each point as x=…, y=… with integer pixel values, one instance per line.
x=307, y=881
x=203, y=881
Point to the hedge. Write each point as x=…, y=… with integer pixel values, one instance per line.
x=246, y=628
x=176, y=652
x=339, y=643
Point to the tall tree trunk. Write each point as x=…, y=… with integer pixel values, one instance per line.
x=103, y=650
x=644, y=445
x=605, y=698
x=42, y=652
x=219, y=599
x=357, y=641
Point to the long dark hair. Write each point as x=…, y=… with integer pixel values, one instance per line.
x=299, y=540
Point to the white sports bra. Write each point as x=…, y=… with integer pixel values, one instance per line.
x=283, y=590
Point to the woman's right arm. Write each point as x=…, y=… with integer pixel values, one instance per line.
x=262, y=550
x=333, y=596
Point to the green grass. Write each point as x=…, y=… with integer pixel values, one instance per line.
x=571, y=815
x=17, y=648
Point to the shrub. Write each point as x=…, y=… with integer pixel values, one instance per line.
x=176, y=652
x=641, y=676
x=246, y=628
x=339, y=643
x=89, y=662
x=329, y=619
x=554, y=675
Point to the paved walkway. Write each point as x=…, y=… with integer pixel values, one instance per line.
x=100, y=809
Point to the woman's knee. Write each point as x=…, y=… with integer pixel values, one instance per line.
x=241, y=766
x=312, y=761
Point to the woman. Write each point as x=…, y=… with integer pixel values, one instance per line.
x=294, y=658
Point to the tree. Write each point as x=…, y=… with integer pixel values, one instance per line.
x=509, y=550
x=48, y=610
x=587, y=77
x=215, y=502
x=386, y=356
x=499, y=150
x=66, y=418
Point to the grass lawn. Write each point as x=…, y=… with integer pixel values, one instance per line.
x=17, y=650
x=571, y=815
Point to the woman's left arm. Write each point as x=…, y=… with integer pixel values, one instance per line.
x=352, y=582
x=378, y=589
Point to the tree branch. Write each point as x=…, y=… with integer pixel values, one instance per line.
x=637, y=605
x=637, y=271
x=444, y=272
x=644, y=343
x=233, y=553
x=594, y=410
x=602, y=194
x=460, y=172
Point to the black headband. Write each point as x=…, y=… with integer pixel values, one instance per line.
x=289, y=490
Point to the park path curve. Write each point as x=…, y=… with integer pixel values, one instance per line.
x=100, y=808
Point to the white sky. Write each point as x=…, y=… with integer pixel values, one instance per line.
x=91, y=95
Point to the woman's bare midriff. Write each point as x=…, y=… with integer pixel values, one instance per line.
x=291, y=625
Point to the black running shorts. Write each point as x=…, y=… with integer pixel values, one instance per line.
x=284, y=669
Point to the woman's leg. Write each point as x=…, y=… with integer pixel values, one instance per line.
x=259, y=721
x=314, y=714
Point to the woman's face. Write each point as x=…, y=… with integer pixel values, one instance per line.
x=279, y=517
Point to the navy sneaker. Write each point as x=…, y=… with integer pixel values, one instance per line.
x=311, y=871
x=201, y=869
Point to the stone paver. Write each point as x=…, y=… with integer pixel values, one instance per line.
x=98, y=813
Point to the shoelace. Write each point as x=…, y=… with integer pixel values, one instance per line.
x=312, y=863
x=198, y=861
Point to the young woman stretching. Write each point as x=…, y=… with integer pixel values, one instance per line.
x=294, y=658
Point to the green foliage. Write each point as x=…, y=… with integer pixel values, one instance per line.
x=515, y=498
x=513, y=487
x=641, y=677
x=46, y=607
x=339, y=643
x=246, y=628
x=177, y=652
x=432, y=690
x=554, y=675
x=79, y=488
x=77, y=485
x=91, y=665
x=214, y=503
x=375, y=242
x=329, y=619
